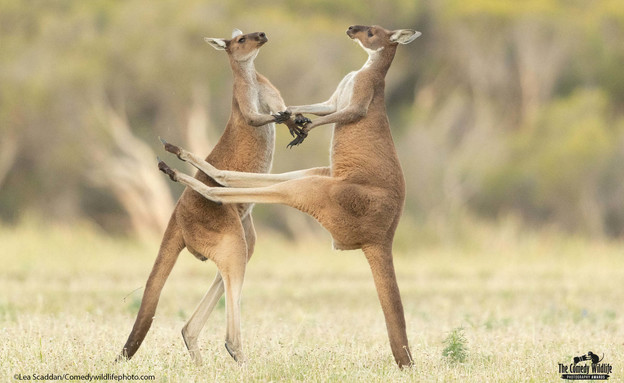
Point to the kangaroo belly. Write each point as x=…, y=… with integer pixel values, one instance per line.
x=357, y=214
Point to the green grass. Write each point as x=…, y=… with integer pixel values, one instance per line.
x=525, y=302
x=456, y=348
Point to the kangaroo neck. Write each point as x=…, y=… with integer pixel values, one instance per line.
x=380, y=61
x=253, y=145
x=244, y=70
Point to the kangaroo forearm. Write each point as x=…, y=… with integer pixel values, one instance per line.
x=320, y=109
x=257, y=119
x=345, y=116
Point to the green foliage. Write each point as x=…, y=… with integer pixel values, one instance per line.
x=502, y=8
x=502, y=106
x=556, y=166
x=455, y=346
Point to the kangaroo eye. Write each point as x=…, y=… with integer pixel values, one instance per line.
x=370, y=33
x=242, y=40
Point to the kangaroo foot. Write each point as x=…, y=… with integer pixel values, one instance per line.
x=172, y=148
x=237, y=355
x=192, y=347
x=163, y=167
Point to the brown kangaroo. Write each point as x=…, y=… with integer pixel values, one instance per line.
x=359, y=198
x=223, y=233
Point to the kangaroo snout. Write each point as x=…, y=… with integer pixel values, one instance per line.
x=352, y=30
x=261, y=37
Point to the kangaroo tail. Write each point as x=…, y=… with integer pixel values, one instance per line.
x=170, y=248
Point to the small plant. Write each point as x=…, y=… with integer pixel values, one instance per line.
x=456, y=349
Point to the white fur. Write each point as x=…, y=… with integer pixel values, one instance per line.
x=251, y=57
x=218, y=44
x=247, y=66
x=372, y=53
x=368, y=50
x=236, y=32
x=404, y=36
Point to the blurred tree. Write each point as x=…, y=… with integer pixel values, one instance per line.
x=502, y=106
x=555, y=169
x=127, y=169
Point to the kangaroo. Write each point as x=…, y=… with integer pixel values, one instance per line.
x=360, y=197
x=222, y=233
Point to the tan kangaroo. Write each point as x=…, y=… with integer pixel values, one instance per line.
x=223, y=233
x=359, y=198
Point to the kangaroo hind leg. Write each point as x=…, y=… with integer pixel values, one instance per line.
x=192, y=328
x=170, y=248
x=198, y=320
x=382, y=267
x=231, y=260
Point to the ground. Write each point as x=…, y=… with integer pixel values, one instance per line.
x=525, y=303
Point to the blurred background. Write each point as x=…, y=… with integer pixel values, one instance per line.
x=502, y=110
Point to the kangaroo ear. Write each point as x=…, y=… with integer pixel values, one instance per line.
x=218, y=44
x=404, y=36
x=236, y=32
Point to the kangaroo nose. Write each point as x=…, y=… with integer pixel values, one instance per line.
x=351, y=28
x=262, y=34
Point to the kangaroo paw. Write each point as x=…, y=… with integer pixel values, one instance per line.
x=298, y=140
x=281, y=117
x=295, y=131
x=301, y=121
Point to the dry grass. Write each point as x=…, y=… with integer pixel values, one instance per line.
x=525, y=303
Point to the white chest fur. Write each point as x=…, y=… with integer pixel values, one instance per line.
x=345, y=90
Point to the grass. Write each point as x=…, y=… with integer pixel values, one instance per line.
x=456, y=349
x=525, y=302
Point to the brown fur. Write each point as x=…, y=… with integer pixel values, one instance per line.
x=359, y=199
x=223, y=233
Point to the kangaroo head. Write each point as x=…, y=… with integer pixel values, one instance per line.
x=376, y=38
x=241, y=47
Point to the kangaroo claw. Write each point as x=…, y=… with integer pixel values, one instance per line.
x=301, y=121
x=295, y=131
x=281, y=117
x=298, y=140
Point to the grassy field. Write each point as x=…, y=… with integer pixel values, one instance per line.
x=524, y=303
